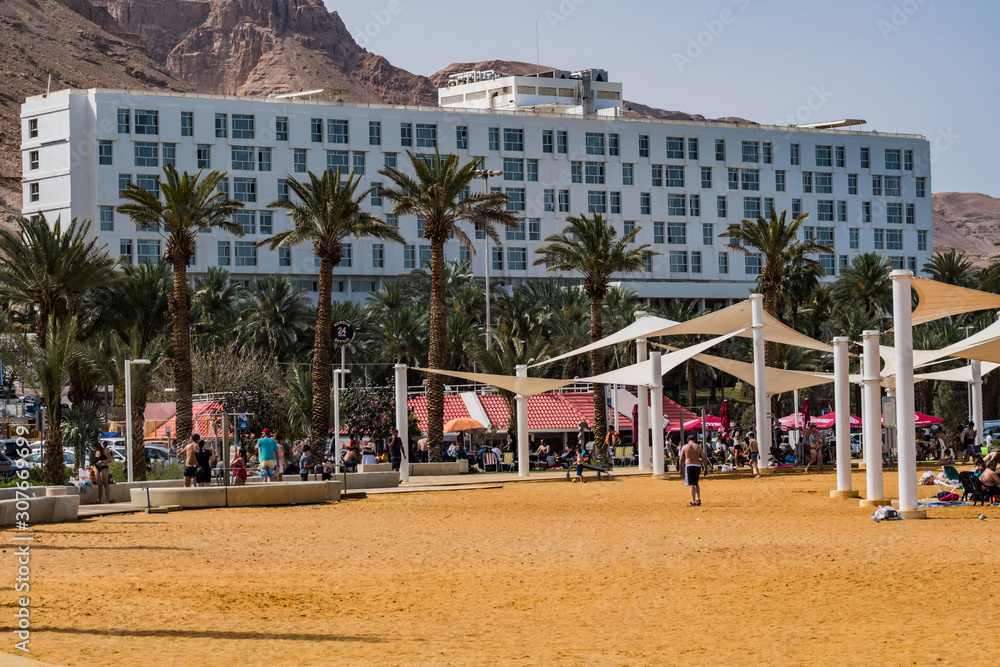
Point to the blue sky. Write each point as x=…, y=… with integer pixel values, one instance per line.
x=917, y=66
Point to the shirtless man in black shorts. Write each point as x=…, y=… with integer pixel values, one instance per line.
x=692, y=459
x=190, y=460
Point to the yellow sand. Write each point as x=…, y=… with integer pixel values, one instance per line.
x=768, y=571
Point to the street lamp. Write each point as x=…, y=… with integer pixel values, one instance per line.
x=128, y=413
x=485, y=175
x=335, y=446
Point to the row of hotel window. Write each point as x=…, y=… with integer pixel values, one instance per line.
x=425, y=135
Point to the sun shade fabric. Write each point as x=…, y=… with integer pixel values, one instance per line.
x=961, y=374
x=518, y=385
x=638, y=329
x=937, y=300
x=778, y=380
x=639, y=374
x=920, y=358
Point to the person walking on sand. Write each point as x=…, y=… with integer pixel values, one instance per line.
x=396, y=450
x=579, y=466
x=691, y=461
x=266, y=446
x=754, y=455
x=813, y=447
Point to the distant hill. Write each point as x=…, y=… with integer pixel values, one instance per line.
x=967, y=221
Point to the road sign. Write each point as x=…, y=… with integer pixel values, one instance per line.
x=889, y=412
x=242, y=422
x=343, y=332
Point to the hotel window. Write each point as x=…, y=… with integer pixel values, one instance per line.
x=358, y=162
x=376, y=194
x=707, y=234
x=147, y=251
x=675, y=177
x=594, y=172
x=576, y=172
x=389, y=160
x=768, y=206
x=148, y=183
x=720, y=150
x=243, y=158
x=693, y=148
x=676, y=205
x=147, y=122
x=809, y=234
x=723, y=263
x=107, y=218
x=892, y=188
x=409, y=257
x=282, y=190
x=374, y=133
x=643, y=145
x=647, y=263
x=866, y=211
x=464, y=255
x=779, y=181
x=828, y=262
x=894, y=214
x=547, y=143
x=706, y=178
x=720, y=206
x=378, y=256
x=346, y=256
x=807, y=181
x=751, y=265
x=263, y=159
x=895, y=262
x=406, y=134
x=246, y=253
x=824, y=183
x=187, y=123
x=751, y=207
x=768, y=152
x=169, y=154
x=549, y=200
x=628, y=174
x=515, y=233
x=221, y=125
x=105, y=152
x=854, y=237
x=124, y=180
x=564, y=201
x=893, y=239
x=645, y=205
x=823, y=156
x=595, y=143
x=223, y=187
x=336, y=131
x=247, y=220
x=793, y=154
x=494, y=138
x=316, y=130
x=426, y=136
x=284, y=256
x=921, y=187
x=265, y=222
x=908, y=160
x=534, y=229
x=299, y=160
x=616, y=203
x=841, y=161
x=841, y=211
x=338, y=161
x=461, y=137
x=513, y=169
x=865, y=158
x=242, y=126
x=203, y=156
x=824, y=210
x=125, y=250
x=513, y=140
x=675, y=148
x=33, y=126
x=676, y=233
x=852, y=184
x=597, y=201
x=750, y=179
x=147, y=154
x=391, y=220
x=628, y=227
x=656, y=174
x=515, y=199
x=911, y=214
x=796, y=208
x=281, y=128
x=695, y=261
x=694, y=204
x=876, y=186
x=245, y=189
x=879, y=239
x=562, y=141
x=824, y=235
x=613, y=144
x=911, y=264
x=922, y=240
x=678, y=261
x=496, y=258
x=751, y=151
x=734, y=179
x=892, y=159
x=658, y=236
x=517, y=259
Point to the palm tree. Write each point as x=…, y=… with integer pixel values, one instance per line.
x=439, y=195
x=212, y=303
x=865, y=282
x=775, y=241
x=274, y=316
x=326, y=210
x=952, y=267
x=190, y=204
x=592, y=248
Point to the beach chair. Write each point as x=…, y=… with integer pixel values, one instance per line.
x=952, y=484
x=368, y=459
x=975, y=489
x=624, y=455
x=490, y=460
x=508, y=461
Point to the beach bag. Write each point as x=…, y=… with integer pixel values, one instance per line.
x=947, y=497
x=84, y=475
x=886, y=513
x=927, y=479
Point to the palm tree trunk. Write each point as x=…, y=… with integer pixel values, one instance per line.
x=692, y=385
x=182, y=349
x=436, y=354
x=55, y=469
x=597, y=366
x=139, y=438
x=320, y=424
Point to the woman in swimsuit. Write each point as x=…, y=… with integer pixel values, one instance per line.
x=239, y=467
x=101, y=460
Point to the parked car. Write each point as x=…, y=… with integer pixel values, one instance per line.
x=35, y=460
x=153, y=452
x=9, y=447
x=6, y=467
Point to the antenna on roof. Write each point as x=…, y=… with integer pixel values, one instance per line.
x=48, y=88
x=538, y=59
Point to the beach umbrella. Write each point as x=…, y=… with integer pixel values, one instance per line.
x=805, y=412
x=463, y=424
x=635, y=422
x=789, y=421
x=829, y=420
x=724, y=418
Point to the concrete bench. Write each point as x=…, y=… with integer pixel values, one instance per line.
x=250, y=495
x=374, y=467
x=570, y=471
x=460, y=467
x=42, y=509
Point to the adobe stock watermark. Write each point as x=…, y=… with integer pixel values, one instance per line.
x=899, y=16
x=22, y=583
x=380, y=20
x=562, y=12
x=714, y=28
x=805, y=112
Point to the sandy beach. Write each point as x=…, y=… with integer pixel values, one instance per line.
x=768, y=571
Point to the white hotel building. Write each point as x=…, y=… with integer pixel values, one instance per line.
x=562, y=140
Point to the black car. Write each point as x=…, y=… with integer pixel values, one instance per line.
x=6, y=467
x=9, y=447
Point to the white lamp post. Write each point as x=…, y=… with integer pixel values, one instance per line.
x=485, y=175
x=335, y=447
x=128, y=413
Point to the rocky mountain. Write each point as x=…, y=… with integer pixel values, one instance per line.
x=80, y=46
x=967, y=221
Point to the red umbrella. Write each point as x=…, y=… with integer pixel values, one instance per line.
x=788, y=421
x=921, y=419
x=805, y=412
x=724, y=417
x=829, y=420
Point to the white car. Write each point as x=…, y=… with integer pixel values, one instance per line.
x=35, y=460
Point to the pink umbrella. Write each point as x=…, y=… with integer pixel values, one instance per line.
x=711, y=422
x=788, y=421
x=829, y=420
x=925, y=420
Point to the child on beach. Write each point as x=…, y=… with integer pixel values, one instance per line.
x=304, y=464
x=579, y=461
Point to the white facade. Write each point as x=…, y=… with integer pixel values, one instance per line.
x=683, y=182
